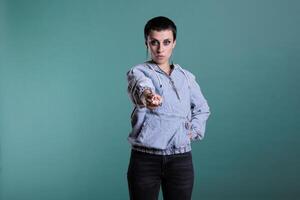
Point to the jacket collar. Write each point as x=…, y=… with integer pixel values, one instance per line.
x=157, y=68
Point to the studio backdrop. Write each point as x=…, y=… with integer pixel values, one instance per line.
x=65, y=112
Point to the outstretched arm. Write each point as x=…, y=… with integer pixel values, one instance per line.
x=141, y=90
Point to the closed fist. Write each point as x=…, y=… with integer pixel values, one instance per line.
x=152, y=100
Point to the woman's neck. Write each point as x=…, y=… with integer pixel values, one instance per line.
x=165, y=67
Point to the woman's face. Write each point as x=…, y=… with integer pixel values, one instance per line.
x=161, y=45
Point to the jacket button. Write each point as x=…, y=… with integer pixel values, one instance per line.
x=187, y=125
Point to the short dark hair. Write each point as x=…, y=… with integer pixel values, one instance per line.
x=158, y=24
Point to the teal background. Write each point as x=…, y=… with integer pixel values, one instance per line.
x=65, y=113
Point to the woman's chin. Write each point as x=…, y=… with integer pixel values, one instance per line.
x=160, y=60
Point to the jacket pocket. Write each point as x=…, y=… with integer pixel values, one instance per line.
x=182, y=137
x=156, y=133
x=145, y=126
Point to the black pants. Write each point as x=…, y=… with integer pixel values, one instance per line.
x=147, y=172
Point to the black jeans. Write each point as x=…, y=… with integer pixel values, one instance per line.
x=147, y=172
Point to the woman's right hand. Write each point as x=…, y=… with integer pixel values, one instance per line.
x=152, y=100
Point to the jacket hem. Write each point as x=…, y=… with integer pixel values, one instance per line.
x=169, y=151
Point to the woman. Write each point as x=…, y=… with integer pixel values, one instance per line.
x=170, y=112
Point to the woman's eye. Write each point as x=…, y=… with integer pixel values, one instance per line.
x=167, y=42
x=154, y=42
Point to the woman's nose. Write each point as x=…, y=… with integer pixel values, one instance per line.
x=159, y=48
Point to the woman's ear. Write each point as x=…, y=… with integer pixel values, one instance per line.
x=174, y=44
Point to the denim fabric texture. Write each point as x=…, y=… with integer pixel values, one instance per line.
x=148, y=172
x=184, y=110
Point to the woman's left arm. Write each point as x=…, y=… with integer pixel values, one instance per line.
x=199, y=110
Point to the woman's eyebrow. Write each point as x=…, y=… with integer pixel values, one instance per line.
x=158, y=40
x=153, y=39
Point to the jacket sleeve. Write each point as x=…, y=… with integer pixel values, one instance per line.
x=199, y=110
x=137, y=83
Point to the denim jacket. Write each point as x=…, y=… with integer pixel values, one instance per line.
x=184, y=110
